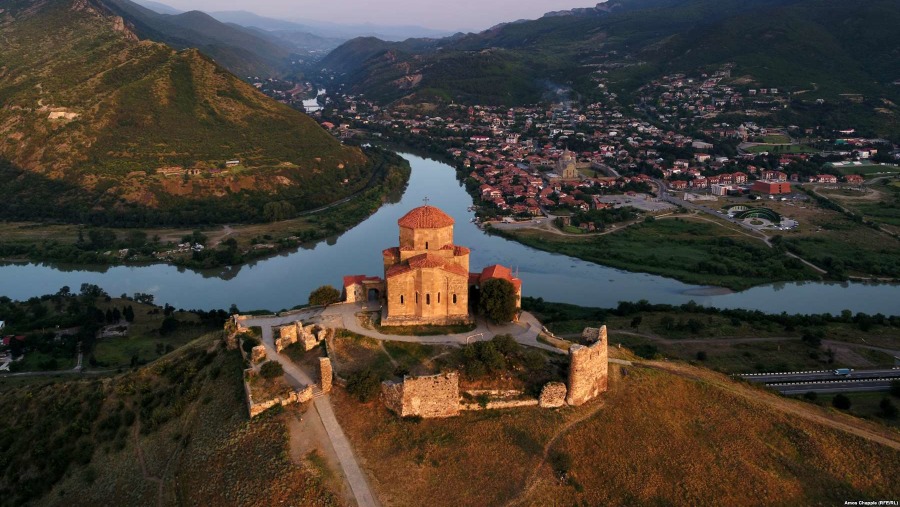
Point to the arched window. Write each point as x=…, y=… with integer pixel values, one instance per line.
x=426, y=245
x=401, y=299
x=439, y=297
x=417, y=298
x=427, y=299
x=454, y=299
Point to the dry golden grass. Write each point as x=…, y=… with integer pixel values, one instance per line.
x=691, y=437
x=208, y=453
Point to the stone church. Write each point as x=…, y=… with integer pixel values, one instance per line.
x=426, y=278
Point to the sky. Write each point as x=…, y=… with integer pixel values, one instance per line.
x=450, y=15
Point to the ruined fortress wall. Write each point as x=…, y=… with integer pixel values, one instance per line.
x=553, y=395
x=588, y=370
x=325, y=374
x=428, y=397
x=287, y=335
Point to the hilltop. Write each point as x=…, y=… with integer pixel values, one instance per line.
x=102, y=126
x=666, y=434
x=824, y=48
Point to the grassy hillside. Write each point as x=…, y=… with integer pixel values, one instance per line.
x=174, y=433
x=91, y=114
x=688, y=437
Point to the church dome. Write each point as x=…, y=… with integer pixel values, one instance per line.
x=426, y=217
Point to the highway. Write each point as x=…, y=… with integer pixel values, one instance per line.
x=825, y=381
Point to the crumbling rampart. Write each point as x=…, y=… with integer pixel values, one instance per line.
x=588, y=370
x=428, y=397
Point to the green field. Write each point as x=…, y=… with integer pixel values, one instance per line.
x=776, y=139
x=781, y=148
x=866, y=169
x=698, y=252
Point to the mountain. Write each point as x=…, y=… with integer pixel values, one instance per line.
x=239, y=50
x=327, y=29
x=841, y=47
x=158, y=7
x=99, y=122
x=301, y=42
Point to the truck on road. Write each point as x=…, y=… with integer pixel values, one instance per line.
x=844, y=372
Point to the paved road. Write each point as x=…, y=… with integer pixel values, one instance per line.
x=344, y=451
x=821, y=375
x=824, y=387
x=525, y=331
x=826, y=381
x=300, y=379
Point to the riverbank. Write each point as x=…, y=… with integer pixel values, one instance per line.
x=689, y=250
x=202, y=247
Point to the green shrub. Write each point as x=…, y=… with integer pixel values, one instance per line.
x=271, y=369
x=364, y=385
x=249, y=343
x=841, y=402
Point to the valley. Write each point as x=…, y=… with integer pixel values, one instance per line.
x=643, y=252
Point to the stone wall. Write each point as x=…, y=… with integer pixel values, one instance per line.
x=553, y=395
x=256, y=407
x=258, y=353
x=590, y=334
x=428, y=397
x=325, y=374
x=588, y=370
x=308, y=336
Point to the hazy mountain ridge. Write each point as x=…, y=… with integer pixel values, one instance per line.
x=843, y=48
x=94, y=113
x=236, y=48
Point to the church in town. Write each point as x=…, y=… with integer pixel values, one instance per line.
x=426, y=278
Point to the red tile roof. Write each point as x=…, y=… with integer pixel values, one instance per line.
x=358, y=279
x=426, y=260
x=498, y=271
x=426, y=217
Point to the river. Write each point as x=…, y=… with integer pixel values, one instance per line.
x=286, y=280
x=312, y=105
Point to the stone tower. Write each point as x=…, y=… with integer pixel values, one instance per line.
x=588, y=370
x=427, y=276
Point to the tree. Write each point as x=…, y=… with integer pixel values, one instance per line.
x=271, y=369
x=888, y=409
x=497, y=300
x=129, y=314
x=169, y=325
x=636, y=322
x=841, y=402
x=324, y=296
x=364, y=384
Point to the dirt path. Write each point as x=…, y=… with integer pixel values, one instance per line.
x=860, y=428
x=334, y=435
x=532, y=479
x=140, y=456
